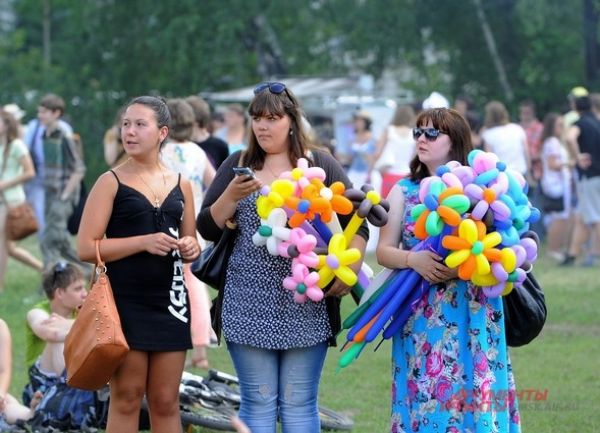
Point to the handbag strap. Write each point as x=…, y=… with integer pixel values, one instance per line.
x=100, y=265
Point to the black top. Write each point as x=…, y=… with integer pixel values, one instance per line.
x=209, y=230
x=216, y=149
x=149, y=290
x=589, y=142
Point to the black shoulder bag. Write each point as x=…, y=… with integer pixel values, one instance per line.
x=210, y=267
x=524, y=312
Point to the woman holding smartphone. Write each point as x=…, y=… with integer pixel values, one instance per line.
x=278, y=346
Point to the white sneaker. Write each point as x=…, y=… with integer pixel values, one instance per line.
x=556, y=255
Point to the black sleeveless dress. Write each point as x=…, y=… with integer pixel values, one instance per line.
x=149, y=289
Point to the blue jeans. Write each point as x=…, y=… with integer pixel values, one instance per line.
x=279, y=382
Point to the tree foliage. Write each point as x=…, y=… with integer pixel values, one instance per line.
x=105, y=51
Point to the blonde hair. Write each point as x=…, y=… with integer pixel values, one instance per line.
x=496, y=114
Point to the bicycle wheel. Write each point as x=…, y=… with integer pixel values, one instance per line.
x=213, y=417
x=332, y=421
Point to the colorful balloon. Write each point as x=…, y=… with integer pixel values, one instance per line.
x=303, y=174
x=272, y=231
x=335, y=263
x=303, y=283
x=273, y=197
x=300, y=246
x=472, y=249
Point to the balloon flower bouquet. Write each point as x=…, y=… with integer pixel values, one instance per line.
x=476, y=217
x=299, y=221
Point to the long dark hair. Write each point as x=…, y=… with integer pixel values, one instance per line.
x=549, y=124
x=284, y=103
x=452, y=123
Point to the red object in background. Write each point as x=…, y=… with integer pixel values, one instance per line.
x=388, y=181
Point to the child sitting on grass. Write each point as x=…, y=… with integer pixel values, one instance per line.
x=48, y=323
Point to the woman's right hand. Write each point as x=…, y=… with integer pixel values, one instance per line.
x=242, y=186
x=159, y=244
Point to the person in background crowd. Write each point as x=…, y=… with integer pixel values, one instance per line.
x=144, y=216
x=452, y=351
x=362, y=150
x=234, y=130
x=63, y=171
x=570, y=117
x=582, y=141
x=35, y=189
x=595, y=101
x=475, y=123
x=278, y=346
x=15, y=169
x=397, y=148
x=217, y=121
x=215, y=148
x=463, y=104
x=114, y=153
x=18, y=114
x=505, y=139
x=556, y=183
x=533, y=131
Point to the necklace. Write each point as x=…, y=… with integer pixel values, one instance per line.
x=156, y=197
x=275, y=176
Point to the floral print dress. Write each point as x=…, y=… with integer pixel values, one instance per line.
x=450, y=364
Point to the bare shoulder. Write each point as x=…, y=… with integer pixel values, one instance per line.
x=106, y=182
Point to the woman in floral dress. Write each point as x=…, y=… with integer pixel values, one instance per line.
x=451, y=370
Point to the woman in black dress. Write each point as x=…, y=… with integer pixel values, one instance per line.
x=147, y=215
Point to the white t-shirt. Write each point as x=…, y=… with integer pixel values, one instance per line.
x=554, y=182
x=13, y=168
x=190, y=160
x=509, y=143
x=398, y=151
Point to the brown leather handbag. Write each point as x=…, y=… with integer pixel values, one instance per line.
x=95, y=346
x=20, y=222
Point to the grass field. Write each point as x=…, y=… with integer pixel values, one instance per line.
x=563, y=361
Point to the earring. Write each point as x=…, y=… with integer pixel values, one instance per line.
x=291, y=132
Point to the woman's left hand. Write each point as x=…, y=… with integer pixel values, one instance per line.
x=188, y=248
x=441, y=274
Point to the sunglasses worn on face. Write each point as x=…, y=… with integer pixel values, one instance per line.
x=274, y=87
x=430, y=133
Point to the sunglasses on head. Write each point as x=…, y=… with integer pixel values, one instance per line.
x=430, y=133
x=59, y=268
x=273, y=86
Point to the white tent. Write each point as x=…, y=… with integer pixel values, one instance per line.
x=304, y=88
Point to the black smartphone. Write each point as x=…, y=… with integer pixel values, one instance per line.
x=243, y=171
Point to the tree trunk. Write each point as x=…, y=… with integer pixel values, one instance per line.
x=592, y=48
x=491, y=44
x=46, y=33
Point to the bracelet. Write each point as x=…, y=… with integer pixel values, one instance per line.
x=407, y=265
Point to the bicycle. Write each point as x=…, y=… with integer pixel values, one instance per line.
x=211, y=401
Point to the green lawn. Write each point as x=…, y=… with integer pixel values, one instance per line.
x=560, y=361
